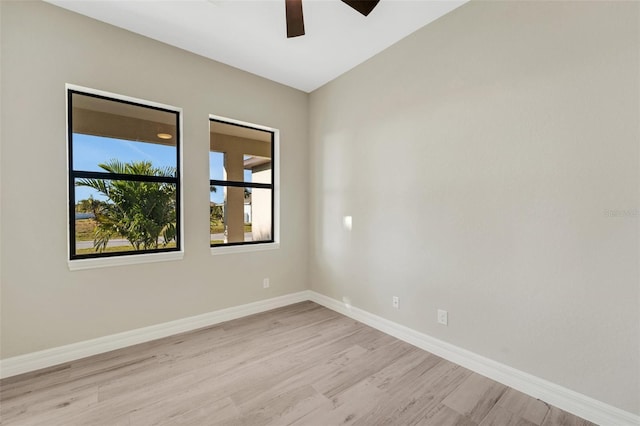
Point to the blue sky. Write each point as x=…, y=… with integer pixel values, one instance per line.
x=89, y=151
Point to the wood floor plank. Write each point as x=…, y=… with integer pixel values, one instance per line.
x=406, y=364
x=301, y=364
x=499, y=416
x=304, y=374
x=557, y=417
x=287, y=406
x=529, y=409
x=301, y=408
x=475, y=397
x=407, y=373
x=444, y=416
x=43, y=407
x=346, y=408
x=185, y=409
x=419, y=393
x=374, y=360
x=26, y=383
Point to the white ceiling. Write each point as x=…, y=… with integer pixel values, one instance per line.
x=251, y=34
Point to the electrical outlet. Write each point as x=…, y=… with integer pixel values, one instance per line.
x=443, y=317
x=265, y=283
x=395, y=301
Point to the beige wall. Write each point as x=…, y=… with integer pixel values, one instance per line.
x=45, y=305
x=478, y=158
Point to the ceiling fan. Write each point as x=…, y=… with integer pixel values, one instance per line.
x=295, y=21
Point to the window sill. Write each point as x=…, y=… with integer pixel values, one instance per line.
x=103, y=262
x=244, y=249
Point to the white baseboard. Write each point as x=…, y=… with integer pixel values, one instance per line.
x=59, y=355
x=563, y=398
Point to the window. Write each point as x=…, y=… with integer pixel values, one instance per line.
x=241, y=183
x=124, y=176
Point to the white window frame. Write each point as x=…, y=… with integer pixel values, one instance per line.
x=221, y=249
x=100, y=262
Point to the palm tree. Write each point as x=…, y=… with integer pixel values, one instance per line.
x=90, y=205
x=141, y=212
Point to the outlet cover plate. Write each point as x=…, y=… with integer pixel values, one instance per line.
x=443, y=317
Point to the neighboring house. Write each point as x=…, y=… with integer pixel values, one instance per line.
x=247, y=210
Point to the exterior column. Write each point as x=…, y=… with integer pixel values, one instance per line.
x=234, y=198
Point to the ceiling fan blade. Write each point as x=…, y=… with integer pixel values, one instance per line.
x=295, y=20
x=363, y=6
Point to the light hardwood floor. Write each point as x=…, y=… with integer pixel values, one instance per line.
x=298, y=365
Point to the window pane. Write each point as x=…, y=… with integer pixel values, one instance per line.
x=257, y=169
x=117, y=119
x=216, y=166
x=252, y=168
x=240, y=214
x=124, y=216
x=90, y=152
x=216, y=214
x=261, y=214
x=240, y=154
x=108, y=129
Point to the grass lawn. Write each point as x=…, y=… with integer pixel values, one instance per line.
x=84, y=229
x=218, y=227
x=117, y=249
